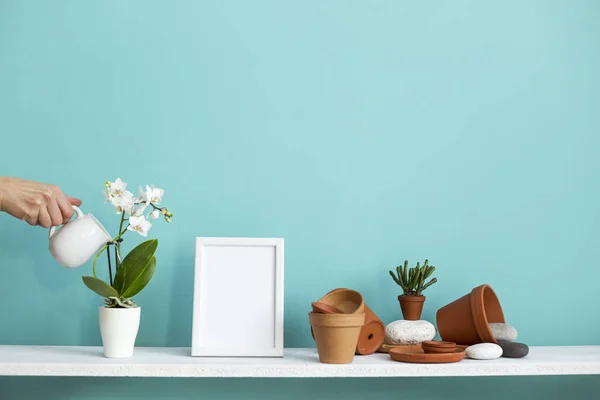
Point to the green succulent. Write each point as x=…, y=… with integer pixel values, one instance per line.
x=412, y=280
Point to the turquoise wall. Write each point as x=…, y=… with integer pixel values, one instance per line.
x=364, y=133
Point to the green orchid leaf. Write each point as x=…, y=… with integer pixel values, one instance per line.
x=142, y=273
x=129, y=269
x=99, y=286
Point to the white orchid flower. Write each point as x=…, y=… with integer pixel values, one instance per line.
x=153, y=195
x=154, y=214
x=117, y=188
x=137, y=209
x=142, y=195
x=125, y=202
x=107, y=196
x=139, y=225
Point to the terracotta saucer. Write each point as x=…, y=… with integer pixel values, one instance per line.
x=325, y=308
x=438, y=347
x=385, y=348
x=426, y=358
x=436, y=344
x=439, y=350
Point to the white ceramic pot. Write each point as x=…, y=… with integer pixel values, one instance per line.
x=119, y=329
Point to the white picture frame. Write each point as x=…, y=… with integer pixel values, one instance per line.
x=238, y=297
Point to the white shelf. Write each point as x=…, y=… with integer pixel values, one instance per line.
x=296, y=363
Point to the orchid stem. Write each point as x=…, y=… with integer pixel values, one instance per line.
x=116, y=257
x=109, y=266
x=96, y=259
x=104, y=248
x=118, y=244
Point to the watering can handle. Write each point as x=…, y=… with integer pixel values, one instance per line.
x=79, y=215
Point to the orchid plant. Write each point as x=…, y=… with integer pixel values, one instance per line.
x=133, y=273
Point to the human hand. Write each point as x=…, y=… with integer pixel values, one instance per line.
x=36, y=203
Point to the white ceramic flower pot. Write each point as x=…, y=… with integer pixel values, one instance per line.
x=119, y=329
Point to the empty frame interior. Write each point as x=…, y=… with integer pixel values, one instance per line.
x=238, y=296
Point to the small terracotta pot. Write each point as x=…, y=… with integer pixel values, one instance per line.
x=465, y=320
x=336, y=336
x=411, y=306
x=348, y=300
x=371, y=334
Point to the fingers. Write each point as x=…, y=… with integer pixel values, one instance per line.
x=74, y=201
x=44, y=218
x=36, y=203
x=31, y=218
x=65, y=208
x=55, y=213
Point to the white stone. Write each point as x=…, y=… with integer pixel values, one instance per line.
x=409, y=332
x=503, y=331
x=484, y=351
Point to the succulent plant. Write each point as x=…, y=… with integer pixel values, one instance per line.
x=412, y=280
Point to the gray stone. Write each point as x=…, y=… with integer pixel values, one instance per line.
x=503, y=331
x=513, y=349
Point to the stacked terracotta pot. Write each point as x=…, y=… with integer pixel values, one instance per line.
x=342, y=326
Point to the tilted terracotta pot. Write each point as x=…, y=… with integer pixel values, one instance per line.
x=336, y=336
x=348, y=300
x=465, y=320
x=371, y=335
x=325, y=308
x=411, y=306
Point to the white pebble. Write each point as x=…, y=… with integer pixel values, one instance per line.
x=409, y=332
x=484, y=351
x=503, y=331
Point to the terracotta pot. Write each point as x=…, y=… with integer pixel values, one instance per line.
x=465, y=320
x=336, y=336
x=411, y=306
x=371, y=334
x=348, y=300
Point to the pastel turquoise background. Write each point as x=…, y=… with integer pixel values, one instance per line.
x=364, y=133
